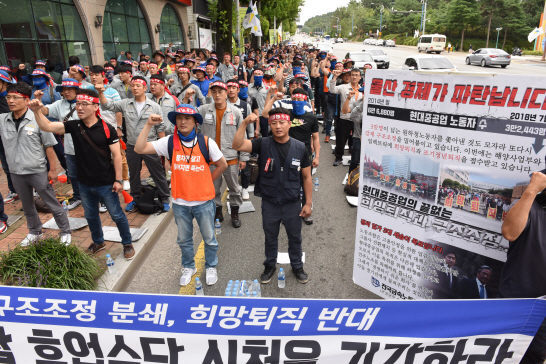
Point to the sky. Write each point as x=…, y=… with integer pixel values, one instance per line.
x=318, y=7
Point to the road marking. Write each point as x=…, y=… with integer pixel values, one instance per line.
x=199, y=258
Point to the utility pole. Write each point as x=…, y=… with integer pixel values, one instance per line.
x=239, y=44
x=498, y=30
x=275, y=29
x=424, y=16
x=381, y=22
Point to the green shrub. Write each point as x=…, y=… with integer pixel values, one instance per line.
x=532, y=53
x=49, y=264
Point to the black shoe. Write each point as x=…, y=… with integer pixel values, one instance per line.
x=301, y=276
x=235, y=217
x=269, y=271
x=323, y=131
x=337, y=162
x=219, y=214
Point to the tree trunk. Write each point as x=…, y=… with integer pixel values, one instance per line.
x=462, y=40
x=504, y=41
x=224, y=40
x=489, y=28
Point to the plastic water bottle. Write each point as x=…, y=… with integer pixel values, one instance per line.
x=198, y=287
x=65, y=207
x=234, y=292
x=110, y=263
x=217, y=227
x=227, y=294
x=281, y=278
x=257, y=288
x=316, y=184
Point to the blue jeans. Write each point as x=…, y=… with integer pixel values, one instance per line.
x=72, y=174
x=204, y=214
x=330, y=114
x=91, y=196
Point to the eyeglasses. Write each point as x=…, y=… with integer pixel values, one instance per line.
x=9, y=98
x=83, y=104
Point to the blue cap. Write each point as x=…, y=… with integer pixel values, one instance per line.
x=185, y=109
x=361, y=89
x=5, y=77
x=68, y=82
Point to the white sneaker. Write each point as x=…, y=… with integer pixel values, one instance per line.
x=73, y=203
x=102, y=207
x=245, y=194
x=187, y=273
x=31, y=238
x=126, y=186
x=212, y=276
x=66, y=239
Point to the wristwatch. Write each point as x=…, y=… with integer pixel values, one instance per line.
x=120, y=181
x=119, y=127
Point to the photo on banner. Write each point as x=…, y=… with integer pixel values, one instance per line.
x=459, y=150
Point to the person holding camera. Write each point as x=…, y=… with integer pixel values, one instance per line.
x=523, y=274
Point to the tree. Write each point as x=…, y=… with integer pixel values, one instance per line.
x=461, y=15
x=514, y=19
x=448, y=182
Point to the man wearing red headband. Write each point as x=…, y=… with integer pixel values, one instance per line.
x=97, y=144
x=283, y=166
x=24, y=144
x=136, y=112
x=187, y=92
x=163, y=99
x=77, y=72
x=143, y=69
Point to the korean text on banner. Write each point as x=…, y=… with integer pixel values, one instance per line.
x=46, y=325
x=468, y=144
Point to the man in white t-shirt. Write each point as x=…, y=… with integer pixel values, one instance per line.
x=192, y=185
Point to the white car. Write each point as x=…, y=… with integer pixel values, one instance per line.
x=339, y=40
x=429, y=62
x=369, y=40
x=362, y=60
x=390, y=43
x=327, y=47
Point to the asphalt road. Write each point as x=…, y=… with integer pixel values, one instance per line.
x=328, y=243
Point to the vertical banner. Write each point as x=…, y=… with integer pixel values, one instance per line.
x=468, y=143
x=82, y=327
x=205, y=38
x=271, y=36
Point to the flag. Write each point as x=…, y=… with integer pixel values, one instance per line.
x=279, y=34
x=249, y=16
x=255, y=21
x=534, y=34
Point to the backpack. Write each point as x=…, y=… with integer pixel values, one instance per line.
x=149, y=203
x=203, y=147
x=352, y=182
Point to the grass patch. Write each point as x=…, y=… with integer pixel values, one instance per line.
x=49, y=264
x=532, y=53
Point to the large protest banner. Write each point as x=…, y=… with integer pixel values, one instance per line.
x=468, y=144
x=80, y=327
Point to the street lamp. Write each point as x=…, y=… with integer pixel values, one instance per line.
x=337, y=26
x=498, y=30
x=381, y=20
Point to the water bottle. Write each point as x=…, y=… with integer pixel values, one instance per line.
x=316, y=184
x=257, y=288
x=110, y=263
x=65, y=207
x=217, y=227
x=281, y=278
x=254, y=294
x=227, y=294
x=198, y=287
x=234, y=292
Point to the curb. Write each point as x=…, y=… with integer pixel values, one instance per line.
x=126, y=269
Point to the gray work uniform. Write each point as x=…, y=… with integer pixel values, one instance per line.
x=177, y=87
x=134, y=124
x=231, y=121
x=26, y=157
x=167, y=104
x=123, y=91
x=228, y=71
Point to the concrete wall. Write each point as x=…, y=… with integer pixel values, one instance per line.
x=152, y=14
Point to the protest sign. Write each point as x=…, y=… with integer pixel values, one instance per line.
x=57, y=326
x=468, y=142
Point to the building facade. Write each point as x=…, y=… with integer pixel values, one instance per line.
x=93, y=30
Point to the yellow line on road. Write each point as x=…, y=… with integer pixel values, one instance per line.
x=199, y=263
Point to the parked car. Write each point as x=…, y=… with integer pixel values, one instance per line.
x=366, y=41
x=489, y=57
x=428, y=62
x=327, y=47
x=339, y=40
x=390, y=43
x=432, y=43
x=379, y=57
x=361, y=59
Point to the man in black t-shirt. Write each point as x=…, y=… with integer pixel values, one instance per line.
x=523, y=274
x=96, y=144
x=283, y=164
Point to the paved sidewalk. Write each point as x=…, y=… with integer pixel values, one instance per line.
x=81, y=237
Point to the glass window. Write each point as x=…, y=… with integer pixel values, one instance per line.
x=171, y=31
x=16, y=19
x=124, y=28
x=51, y=30
x=49, y=20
